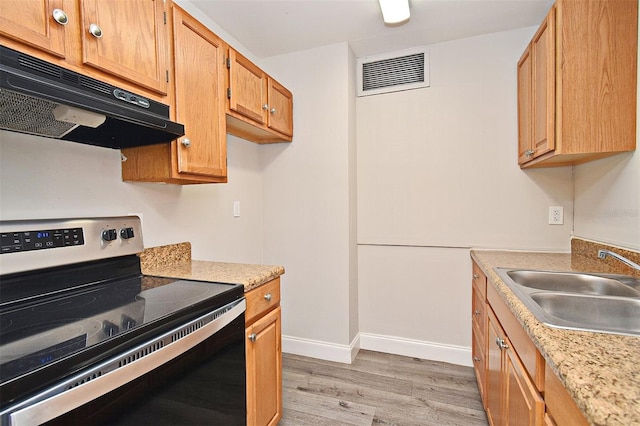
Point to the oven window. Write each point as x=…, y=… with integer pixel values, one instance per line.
x=205, y=385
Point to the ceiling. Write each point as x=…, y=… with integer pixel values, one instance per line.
x=274, y=27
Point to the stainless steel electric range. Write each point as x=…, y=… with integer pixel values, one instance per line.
x=85, y=338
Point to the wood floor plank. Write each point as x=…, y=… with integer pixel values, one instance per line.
x=379, y=389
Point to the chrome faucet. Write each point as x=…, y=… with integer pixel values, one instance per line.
x=602, y=254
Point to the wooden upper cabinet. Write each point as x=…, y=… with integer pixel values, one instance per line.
x=536, y=93
x=525, y=118
x=280, y=116
x=247, y=88
x=582, y=84
x=199, y=90
x=123, y=43
x=32, y=22
x=259, y=108
x=200, y=156
x=127, y=39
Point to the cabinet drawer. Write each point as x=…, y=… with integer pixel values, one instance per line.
x=479, y=280
x=261, y=300
x=478, y=313
x=479, y=364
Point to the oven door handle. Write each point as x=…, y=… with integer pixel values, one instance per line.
x=53, y=402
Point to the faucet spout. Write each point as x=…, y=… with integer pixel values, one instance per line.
x=602, y=254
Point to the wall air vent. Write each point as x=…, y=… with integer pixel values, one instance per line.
x=393, y=72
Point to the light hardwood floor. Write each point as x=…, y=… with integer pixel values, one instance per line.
x=379, y=389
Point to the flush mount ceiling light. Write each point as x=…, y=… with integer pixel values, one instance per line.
x=394, y=12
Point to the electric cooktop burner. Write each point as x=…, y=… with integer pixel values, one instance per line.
x=42, y=331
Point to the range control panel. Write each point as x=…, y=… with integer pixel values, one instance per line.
x=34, y=244
x=40, y=239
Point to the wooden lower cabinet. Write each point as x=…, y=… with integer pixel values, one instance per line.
x=479, y=328
x=561, y=408
x=515, y=376
x=512, y=397
x=264, y=355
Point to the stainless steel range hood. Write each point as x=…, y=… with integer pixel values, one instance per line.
x=41, y=98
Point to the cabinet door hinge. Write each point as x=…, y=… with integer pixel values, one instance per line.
x=229, y=93
x=229, y=63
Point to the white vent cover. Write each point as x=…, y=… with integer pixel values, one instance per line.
x=393, y=72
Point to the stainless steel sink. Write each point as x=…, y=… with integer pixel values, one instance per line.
x=593, y=302
x=572, y=283
x=598, y=313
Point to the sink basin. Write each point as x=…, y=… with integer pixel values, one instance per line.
x=582, y=301
x=572, y=283
x=592, y=313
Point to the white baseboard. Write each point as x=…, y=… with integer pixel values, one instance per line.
x=321, y=350
x=460, y=355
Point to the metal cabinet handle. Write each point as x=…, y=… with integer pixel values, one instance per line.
x=60, y=17
x=267, y=297
x=501, y=344
x=265, y=107
x=273, y=110
x=95, y=30
x=186, y=142
x=476, y=276
x=253, y=337
x=529, y=152
x=476, y=312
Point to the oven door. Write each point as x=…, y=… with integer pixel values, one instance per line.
x=194, y=374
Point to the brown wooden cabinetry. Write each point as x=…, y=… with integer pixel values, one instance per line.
x=577, y=84
x=200, y=156
x=561, y=408
x=479, y=327
x=259, y=108
x=264, y=355
x=124, y=43
x=515, y=377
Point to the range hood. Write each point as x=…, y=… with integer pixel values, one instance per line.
x=43, y=99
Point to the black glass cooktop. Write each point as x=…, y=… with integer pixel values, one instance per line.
x=46, y=337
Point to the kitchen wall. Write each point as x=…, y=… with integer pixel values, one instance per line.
x=309, y=198
x=45, y=178
x=436, y=174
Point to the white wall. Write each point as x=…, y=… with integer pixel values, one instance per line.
x=437, y=174
x=607, y=200
x=46, y=178
x=308, y=197
x=437, y=166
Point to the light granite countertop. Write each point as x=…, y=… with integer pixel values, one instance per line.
x=175, y=261
x=600, y=371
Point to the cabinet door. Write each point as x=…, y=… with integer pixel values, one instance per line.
x=199, y=67
x=543, y=69
x=280, y=108
x=32, y=22
x=525, y=85
x=248, y=85
x=494, y=376
x=264, y=370
x=523, y=404
x=127, y=39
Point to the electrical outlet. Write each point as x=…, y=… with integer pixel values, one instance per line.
x=556, y=215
